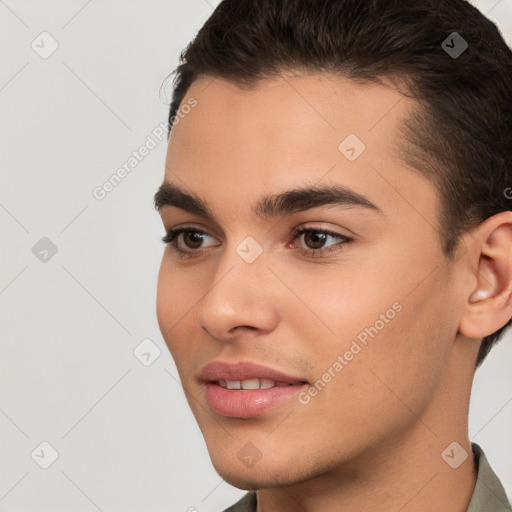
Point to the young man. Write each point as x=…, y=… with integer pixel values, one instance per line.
x=339, y=248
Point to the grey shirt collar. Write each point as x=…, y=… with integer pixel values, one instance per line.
x=488, y=495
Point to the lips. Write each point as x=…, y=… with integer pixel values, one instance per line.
x=245, y=390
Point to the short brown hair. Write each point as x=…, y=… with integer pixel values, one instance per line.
x=461, y=138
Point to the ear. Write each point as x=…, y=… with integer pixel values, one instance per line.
x=488, y=296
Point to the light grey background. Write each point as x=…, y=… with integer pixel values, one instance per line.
x=125, y=437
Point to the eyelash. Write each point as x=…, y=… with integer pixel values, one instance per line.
x=171, y=238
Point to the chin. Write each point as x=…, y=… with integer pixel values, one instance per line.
x=262, y=475
x=241, y=483
x=251, y=482
x=237, y=474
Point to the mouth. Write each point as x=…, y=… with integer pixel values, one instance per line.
x=247, y=390
x=251, y=384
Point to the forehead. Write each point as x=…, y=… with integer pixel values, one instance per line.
x=314, y=106
x=292, y=130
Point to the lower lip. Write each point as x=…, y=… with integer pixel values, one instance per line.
x=248, y=403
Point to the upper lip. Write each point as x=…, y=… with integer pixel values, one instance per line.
x=218, y=370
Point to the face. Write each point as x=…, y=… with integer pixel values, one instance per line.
x=334, y=300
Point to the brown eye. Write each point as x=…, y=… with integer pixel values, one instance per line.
x=193, y=239
x=314, y=239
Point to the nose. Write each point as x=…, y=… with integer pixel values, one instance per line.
x=240, y=299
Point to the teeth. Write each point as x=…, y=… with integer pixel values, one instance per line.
x=266, y=383
x=250, y=384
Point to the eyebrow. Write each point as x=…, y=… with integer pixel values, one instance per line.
x=272, y=205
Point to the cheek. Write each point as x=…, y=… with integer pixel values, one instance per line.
x=165, y=300
x=174, y=301
x=402, y=360
x=392, y=320
x=339, y=305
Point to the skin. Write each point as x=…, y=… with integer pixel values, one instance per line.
x=372, y=438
